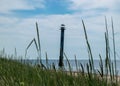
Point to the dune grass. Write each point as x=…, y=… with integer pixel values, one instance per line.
x=15, y=73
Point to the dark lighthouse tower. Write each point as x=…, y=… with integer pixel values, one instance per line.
x=61, y=46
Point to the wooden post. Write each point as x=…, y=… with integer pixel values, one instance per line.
x=61, y=46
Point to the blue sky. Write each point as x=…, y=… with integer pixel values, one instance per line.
x=18, y=17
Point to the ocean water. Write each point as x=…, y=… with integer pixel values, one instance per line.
x=72, y=64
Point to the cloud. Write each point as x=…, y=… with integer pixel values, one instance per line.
x=90, y=4
x=95, y=7
x=9, y=5
x=18, y=32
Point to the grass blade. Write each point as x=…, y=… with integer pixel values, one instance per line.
x=82, y=69
x=114, y=49
x=38, y=37
x=88, y=47
x=47, y=65
x=70, y=69
x=101, y=67
x=76, y=63
x=33, y=41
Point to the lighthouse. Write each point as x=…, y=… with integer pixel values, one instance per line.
x=61, y=64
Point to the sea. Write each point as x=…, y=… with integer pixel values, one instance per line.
x=73, y=65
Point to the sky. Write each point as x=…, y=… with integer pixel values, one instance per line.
x=18, y=18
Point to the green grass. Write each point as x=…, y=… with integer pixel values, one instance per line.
x=13, y=73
